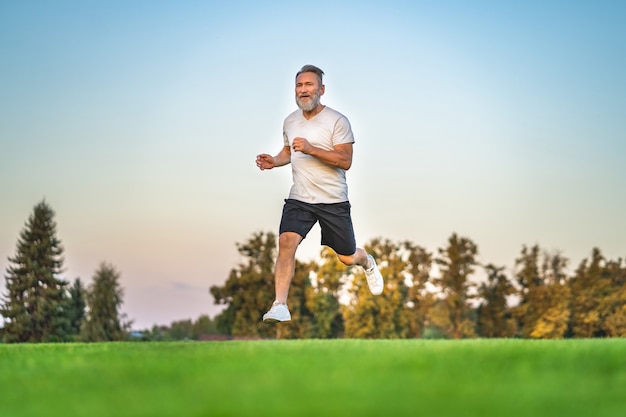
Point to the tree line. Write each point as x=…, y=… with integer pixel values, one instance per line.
x=38, y=306
x=427, y=295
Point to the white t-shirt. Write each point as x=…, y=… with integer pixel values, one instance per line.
x=313, y=180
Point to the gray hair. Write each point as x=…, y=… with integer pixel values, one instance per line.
x=315, y=70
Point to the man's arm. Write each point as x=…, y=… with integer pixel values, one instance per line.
x=340, y=156
x=265, y=161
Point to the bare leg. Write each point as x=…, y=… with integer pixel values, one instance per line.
x=285, y=264
x=375, y=280
x=358, y=258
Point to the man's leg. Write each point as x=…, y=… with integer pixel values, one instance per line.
x=285, y=264
x=358, y=258
x=367, y=262
x=283, y=274
x=338, y=233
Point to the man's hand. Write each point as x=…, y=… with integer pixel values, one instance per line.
x=340, y=156
x=265, y=161
x=301, y=145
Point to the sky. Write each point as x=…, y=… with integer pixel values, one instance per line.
x=139, y=123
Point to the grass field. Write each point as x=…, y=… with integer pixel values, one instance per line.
x=316, y=378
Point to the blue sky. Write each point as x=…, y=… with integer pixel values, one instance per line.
x=139, y=123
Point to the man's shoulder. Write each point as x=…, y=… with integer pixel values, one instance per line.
x=295, y=115
x=332, y=113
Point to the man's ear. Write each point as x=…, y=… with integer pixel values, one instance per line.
x=322, y=90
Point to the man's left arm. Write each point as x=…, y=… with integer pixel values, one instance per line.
x=340, y=156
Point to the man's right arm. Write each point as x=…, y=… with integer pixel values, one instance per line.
x=265, y=161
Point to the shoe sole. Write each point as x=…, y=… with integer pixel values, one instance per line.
x=273, y=320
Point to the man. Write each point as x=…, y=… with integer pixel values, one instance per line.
x=318, y=144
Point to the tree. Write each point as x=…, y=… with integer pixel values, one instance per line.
x=104, y=299
x=494, y=316
x=528, y=279
x=249, y=290
x=34, y=306
x=589, y=287
x=419, y=299
x=543, y=312
x=453, y=315
x=181, y=330
x=203, y=326
x=323, y=300
x=386, y=315
x=613, y=305
x=76, y=306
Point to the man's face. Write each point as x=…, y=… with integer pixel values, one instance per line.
x=308, y=91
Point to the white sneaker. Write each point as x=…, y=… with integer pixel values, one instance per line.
x=374, y=277
x=278, y=312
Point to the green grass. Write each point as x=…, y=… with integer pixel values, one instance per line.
x=316, y=378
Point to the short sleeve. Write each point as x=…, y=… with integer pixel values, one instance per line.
x=343, y=132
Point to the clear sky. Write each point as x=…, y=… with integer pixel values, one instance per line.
x=139, y=123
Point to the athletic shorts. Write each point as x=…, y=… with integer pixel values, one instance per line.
x=334, y=219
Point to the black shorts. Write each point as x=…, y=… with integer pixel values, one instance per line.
x=335, y=222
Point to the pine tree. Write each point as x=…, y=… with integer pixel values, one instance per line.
x=104, y=300
x=528, y=279
x=453, y=315
x=494, y=316
x=34, y=306
x=420, y=300
x=76, y=306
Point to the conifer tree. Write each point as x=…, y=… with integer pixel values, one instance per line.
x=420, y=300
x=494, y=316
x=104, y=300
x=453, y=315
x=35, y=302
x=76, y=306
x=528, y=279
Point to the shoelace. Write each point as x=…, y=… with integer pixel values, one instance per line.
x=275, y=305
x=371, y=279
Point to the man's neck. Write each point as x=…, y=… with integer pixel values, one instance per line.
x=309, y=114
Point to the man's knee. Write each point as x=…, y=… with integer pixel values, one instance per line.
x=289, y=241
x=347, y=260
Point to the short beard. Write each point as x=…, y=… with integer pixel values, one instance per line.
x=311, y=104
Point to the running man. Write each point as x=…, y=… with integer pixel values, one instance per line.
x=318, y=145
